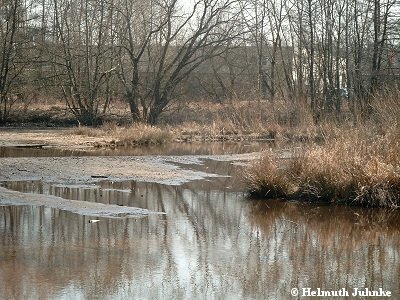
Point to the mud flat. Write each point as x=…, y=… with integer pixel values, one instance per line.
x=61, y=138
x=87, y=170
x=8, y=197
x=81, y=171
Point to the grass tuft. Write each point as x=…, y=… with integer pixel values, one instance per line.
x=135, y=134
x=143, y=134
x=355, y=168
x=266, y=178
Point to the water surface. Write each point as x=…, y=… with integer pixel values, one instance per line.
x=196, y=148
x=212, y=243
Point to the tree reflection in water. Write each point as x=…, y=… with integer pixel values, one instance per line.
x=211, y=243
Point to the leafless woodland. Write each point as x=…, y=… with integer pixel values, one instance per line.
x=152, y=53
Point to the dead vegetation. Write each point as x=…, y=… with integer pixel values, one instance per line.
x=240, y=119
x=357, y=165
x=131, y=135
x=206, y=121
x=354, y=168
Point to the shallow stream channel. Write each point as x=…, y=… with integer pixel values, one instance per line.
x=175, y=222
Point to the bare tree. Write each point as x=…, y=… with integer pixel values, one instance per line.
x=225, y=76
x=161, y=44
x=81, y=55
x=380, y=37
x=13, y=52
x=254, y=14
x=305, y=49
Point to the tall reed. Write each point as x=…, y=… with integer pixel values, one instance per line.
x=353, y=164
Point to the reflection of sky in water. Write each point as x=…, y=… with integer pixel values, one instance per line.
x=211, y=243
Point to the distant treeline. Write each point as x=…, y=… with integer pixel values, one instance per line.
x=150, y=53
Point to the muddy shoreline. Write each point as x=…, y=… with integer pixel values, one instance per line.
x=60, y=138
x=165, y=169
x=84, y=170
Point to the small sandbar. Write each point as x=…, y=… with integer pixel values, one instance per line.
x=93, y=209
x=86, y=170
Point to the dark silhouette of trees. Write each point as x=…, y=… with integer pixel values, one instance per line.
x=161, y=50
x=15, y=52
x=318, y=52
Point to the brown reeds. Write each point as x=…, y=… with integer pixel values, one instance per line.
x=267, y=178
x=354, y=168
x=241, y=119
x=352, y=164
x=135, y=134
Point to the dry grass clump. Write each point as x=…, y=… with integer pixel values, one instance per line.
x=354, y=168
x=386, y=106
x=135, y=134
x=143, y=134
x=268, y=178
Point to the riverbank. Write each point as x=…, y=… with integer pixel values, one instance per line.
x=357, y=167
x=112, y=136
x=331, y=162
x=205, y=121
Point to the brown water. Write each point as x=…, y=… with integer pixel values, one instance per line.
x=213, y=243
x=213, y=148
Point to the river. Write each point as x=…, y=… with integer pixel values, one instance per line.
x=211, y=243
